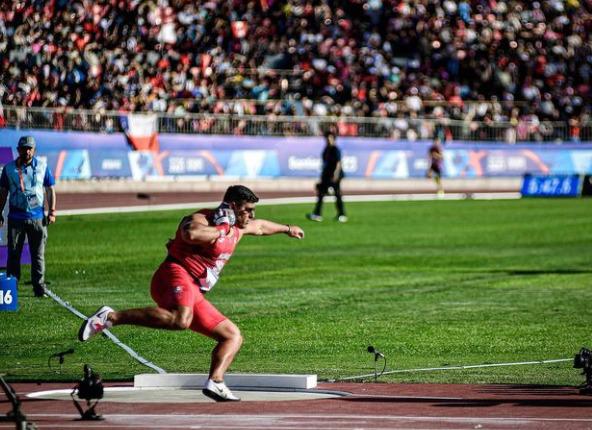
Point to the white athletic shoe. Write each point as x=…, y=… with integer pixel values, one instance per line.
x=219, y=392
x=96, y=323
x=342, y=218
x=314, y=217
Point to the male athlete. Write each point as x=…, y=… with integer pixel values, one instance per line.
x=203, y=244
x=436, y=158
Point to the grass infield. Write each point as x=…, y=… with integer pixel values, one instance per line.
x=427, y=283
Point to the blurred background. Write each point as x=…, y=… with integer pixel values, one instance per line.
x=139, y=91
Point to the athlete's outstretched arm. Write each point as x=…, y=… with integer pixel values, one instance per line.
x=263, y=227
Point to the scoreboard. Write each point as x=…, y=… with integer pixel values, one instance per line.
x=552, y=185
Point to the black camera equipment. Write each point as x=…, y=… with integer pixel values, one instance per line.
x=15, y=415
x=377, y=355
x=583, y=360
x=59, y=357
x=89, y=388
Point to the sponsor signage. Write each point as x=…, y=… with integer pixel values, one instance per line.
x=86, y=155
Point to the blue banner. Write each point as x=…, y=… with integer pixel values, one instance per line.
x=110, y=164
x=86, y=155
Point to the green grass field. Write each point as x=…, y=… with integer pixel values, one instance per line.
x=428, y=283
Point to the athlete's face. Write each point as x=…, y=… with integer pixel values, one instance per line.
x=244, y=213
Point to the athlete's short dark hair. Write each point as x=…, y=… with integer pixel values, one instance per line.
x=240, y=193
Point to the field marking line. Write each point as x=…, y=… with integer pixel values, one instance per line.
x=358, y=417
x=470, y=366
x=296, y=200
x=107, y=333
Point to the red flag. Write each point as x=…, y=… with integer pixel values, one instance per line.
x=206, y=60
x=141, y=131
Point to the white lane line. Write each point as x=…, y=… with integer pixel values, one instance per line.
x=297, y=200
x=312, y=417
x=463, y=367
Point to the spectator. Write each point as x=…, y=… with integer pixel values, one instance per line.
x=346, y=58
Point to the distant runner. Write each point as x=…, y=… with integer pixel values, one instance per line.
x=436, y=159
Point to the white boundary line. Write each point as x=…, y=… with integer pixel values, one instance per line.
x=470, y=366
x=107, y=333
x=298, y=200
x=224, y=417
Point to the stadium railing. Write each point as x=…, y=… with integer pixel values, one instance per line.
x=275, y=125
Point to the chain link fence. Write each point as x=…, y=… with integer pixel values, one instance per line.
x=65, y=119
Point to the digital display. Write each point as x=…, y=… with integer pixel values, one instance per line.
x=551, y=186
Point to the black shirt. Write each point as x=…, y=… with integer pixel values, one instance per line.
x=331, y=157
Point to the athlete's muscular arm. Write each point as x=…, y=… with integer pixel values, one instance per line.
x=196, y=230
x=262, y=227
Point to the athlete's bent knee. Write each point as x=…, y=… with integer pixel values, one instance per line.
x=238, y=339
x=181, y=322
x=229, y=332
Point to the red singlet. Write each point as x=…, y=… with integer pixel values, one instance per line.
x=192, y=271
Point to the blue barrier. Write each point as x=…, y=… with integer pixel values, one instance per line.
x=88, y=155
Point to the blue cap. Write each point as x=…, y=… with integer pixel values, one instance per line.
x=26, y=142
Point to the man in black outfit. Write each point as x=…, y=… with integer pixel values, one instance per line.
x=331, y=177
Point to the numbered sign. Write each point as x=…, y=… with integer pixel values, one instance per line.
x=8, y=293
x=551, y=186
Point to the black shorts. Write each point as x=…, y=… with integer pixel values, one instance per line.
x=324, y=186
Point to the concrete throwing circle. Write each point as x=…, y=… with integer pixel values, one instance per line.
x=184, y=395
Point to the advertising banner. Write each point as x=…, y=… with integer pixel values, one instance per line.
x=110, y=164
x=86, y=155
x=244, y=163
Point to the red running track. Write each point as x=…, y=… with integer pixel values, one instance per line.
x=370, y=406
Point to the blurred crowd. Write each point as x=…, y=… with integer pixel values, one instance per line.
x=487, y=61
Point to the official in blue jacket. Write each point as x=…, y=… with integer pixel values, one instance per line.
x=27, y=183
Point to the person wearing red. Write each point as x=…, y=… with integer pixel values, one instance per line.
x=203, y=244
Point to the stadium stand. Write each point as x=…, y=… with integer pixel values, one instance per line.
x=521, y=62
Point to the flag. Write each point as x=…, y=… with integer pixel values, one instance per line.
x=205, y=61
x=239, y=29
x=141, y=131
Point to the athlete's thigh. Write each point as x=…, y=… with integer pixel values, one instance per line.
x=206, y=318
x=172, y=287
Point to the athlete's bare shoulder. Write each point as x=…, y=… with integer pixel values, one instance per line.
x=197, y=217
